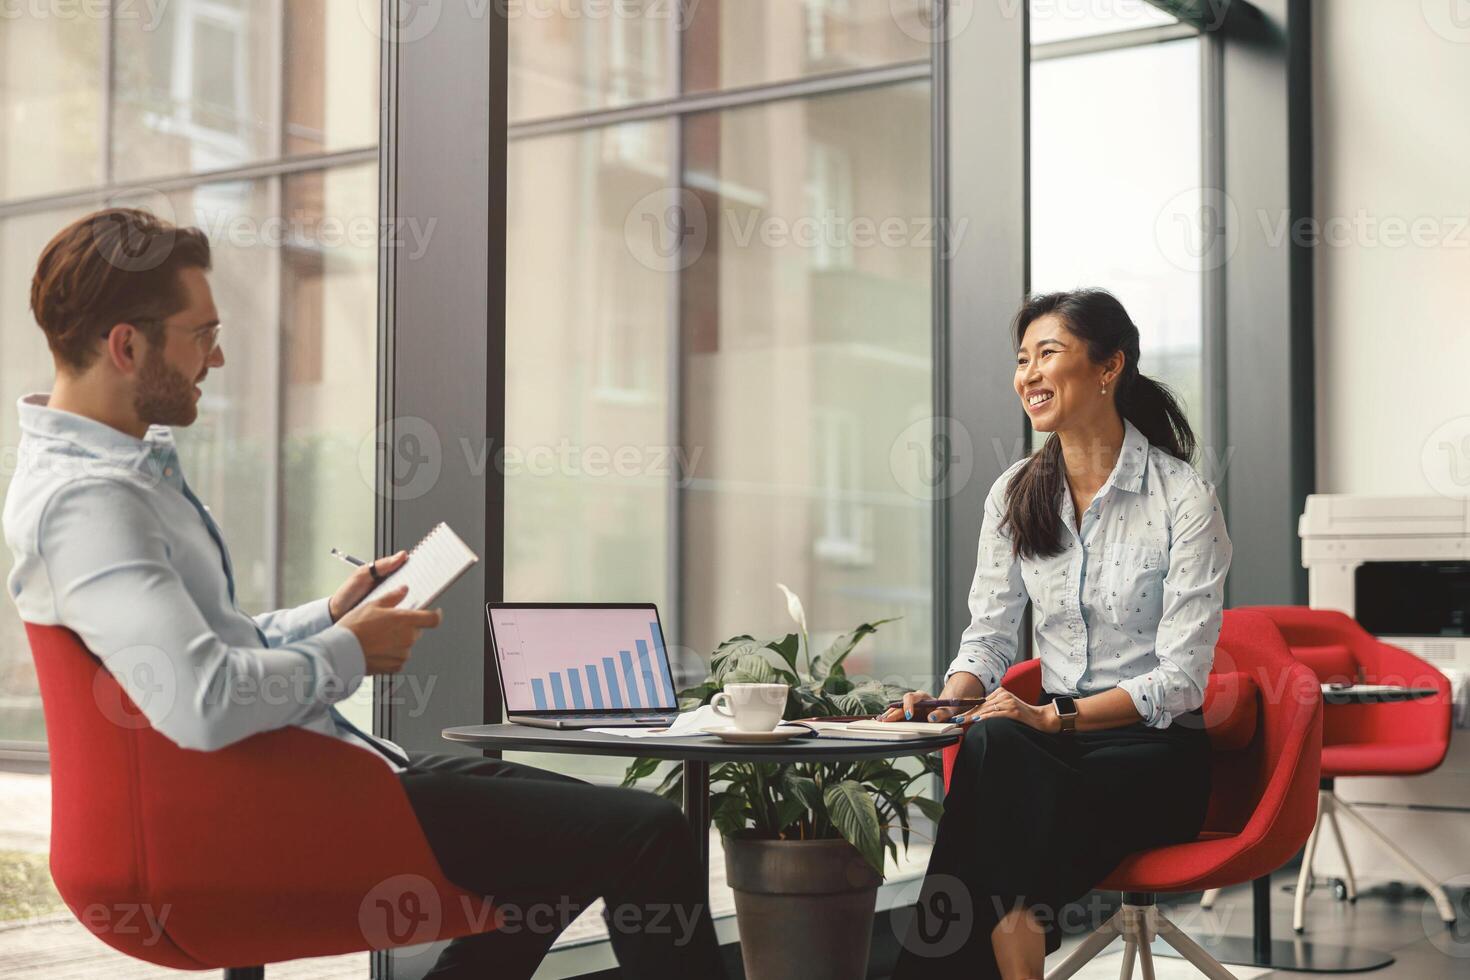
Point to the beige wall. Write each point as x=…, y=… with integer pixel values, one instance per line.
x=1392, y=328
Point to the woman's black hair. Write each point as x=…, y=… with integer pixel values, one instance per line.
x=1033, y=495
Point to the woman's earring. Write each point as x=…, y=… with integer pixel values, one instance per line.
x=1105, y=391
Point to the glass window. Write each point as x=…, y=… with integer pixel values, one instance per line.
x=210, y=84
x=583, y=55
x=806, y=354
x=1115, y=158
x=589, y=472
x=1067, y=20
x=751, y=42
x=580, y=56
x=25, y=367
x=50, y=104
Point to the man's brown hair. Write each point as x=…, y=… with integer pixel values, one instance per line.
x=120, y=265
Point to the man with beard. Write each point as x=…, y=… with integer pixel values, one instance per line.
x=111, y=542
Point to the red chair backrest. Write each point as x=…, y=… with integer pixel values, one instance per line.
x=1333, y=643
x=212, y=843
x=98, y=858
x=1266, y=794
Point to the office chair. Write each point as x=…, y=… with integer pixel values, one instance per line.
x=1263, y=712
x=283, y=845
x=1394, y=739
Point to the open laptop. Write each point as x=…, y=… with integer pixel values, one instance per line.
x=582, y=665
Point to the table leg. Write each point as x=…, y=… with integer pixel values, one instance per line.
x=696, y=807
x=1296, y=954
x=1261, y=919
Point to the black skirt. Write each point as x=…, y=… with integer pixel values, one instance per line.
x=1037, y=820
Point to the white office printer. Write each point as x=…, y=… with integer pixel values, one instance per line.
x=1401, y=567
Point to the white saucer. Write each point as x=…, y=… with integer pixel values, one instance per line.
x=729, y=733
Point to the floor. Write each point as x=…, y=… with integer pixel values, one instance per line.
x=1396, y=920
x=1391, y=919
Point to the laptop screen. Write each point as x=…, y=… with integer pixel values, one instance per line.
x=577, y=658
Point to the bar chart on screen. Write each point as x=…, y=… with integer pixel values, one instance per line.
x=571, y=659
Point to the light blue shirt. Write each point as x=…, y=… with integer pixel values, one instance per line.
x=1133, y=600
x=110, y=542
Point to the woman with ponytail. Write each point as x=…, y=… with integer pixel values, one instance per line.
x=1120, y=547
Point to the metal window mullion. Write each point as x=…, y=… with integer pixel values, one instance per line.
x=674, y=398
x=1115, y=41
x=387, y=157
x=939, y=351
x=1212, y=318
x=275, y=203
x=381, y=961
x=683, y=105
x=109, y=86
x=275, y=406
x=182, y=182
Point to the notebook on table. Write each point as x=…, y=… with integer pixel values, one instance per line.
x=873, y=730
x=434, y=564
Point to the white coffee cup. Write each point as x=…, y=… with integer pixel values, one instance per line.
x=753, y=707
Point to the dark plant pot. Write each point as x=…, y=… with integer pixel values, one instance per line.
x=805, y=908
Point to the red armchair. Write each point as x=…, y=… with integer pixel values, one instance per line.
x=287, y=844
x=1402, y=738
x=1263, y=711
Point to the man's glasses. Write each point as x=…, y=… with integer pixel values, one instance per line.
x=206, y=337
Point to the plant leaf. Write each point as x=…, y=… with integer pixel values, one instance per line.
x=804, y=789
x=932, y=809
x=639, y=769
x=845, y=643
x=856, y=818
x=756, y=668
x=730, y=816
x=788, y=810
x=787, y=648
x=727, y=653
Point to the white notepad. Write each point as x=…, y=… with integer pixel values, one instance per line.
x=433, y=565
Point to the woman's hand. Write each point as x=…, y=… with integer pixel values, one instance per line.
x=361, y=582
x=961, y=685
x=1003, y=704
x=911, y=712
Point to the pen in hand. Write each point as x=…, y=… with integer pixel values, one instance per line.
x=931, y=703
x=344, y=556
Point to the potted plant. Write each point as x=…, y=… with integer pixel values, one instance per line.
x=804, y=842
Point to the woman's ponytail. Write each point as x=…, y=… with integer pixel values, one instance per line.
x=1154, y=411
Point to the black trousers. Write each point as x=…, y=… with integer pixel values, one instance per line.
x=542, y=846
x=1036, y=820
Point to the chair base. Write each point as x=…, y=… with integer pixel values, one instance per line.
x=245, y=973
x=1138, y=923
x=1328, y=808
x=1329, y=805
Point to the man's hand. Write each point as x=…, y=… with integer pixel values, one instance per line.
x=361, y=582
x=1003, y=704
x=387, y=633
